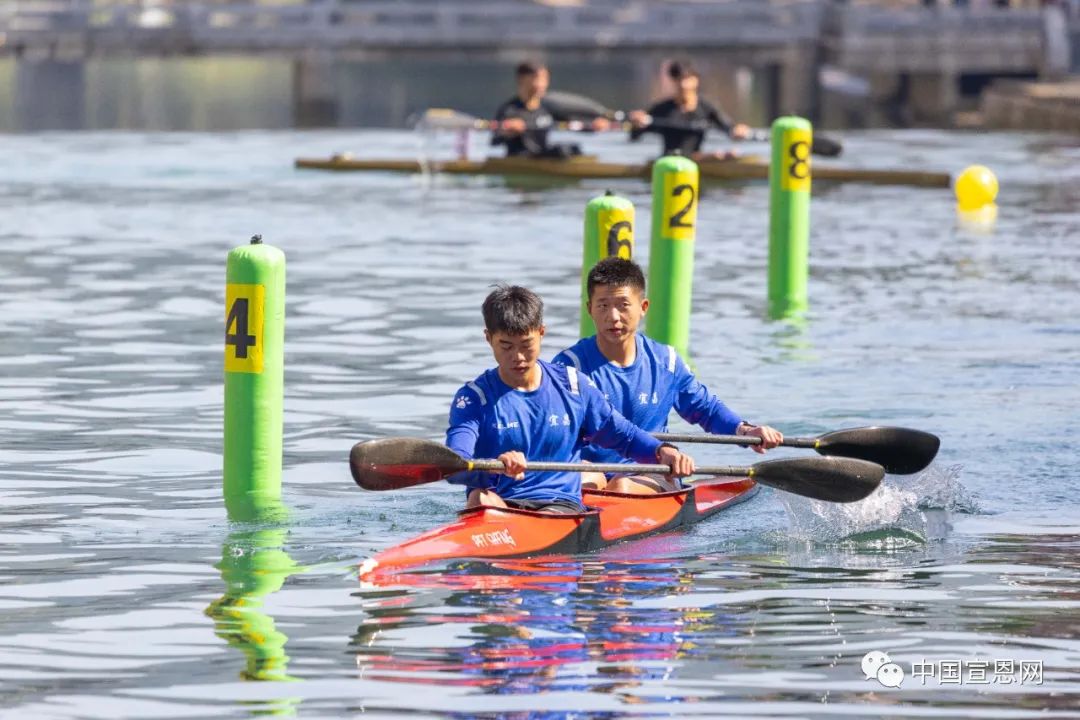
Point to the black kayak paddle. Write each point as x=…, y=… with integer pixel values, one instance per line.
x=899, y=450
x=395, y=463
x=580, y=106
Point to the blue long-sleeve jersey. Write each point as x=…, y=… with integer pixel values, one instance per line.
x=554, y=423
x=647, y=390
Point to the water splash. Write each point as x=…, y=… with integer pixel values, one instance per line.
x=941, y=489
x=904, y=512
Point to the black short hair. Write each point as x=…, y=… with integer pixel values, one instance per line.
x=617, y=272
x=681, y=69
x=513, y=310
x=529, y=67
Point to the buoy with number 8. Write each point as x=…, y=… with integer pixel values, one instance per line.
x=254, y=379
x=789, y=216
x=975, y=187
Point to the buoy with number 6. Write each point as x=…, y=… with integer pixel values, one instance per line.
x=609, y=232
x=254, y=379
x=975, y=187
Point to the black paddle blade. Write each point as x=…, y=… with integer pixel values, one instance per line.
x=826, y=146
x=902, y=451
x=445, y=119
x=578, y=106
x=394, y=463
x=833, y=479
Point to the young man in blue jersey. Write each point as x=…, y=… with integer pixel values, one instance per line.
x=643, y=379
x=526, y=409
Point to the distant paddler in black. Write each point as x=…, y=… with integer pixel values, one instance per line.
x=525, y=120
x=682, y=120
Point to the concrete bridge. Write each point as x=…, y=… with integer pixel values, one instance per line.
x=911, y=51
x=917, y=57
x=108, y=27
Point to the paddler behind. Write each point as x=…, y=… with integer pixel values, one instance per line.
x=643, y=379
x=526, y=119
x=526, y=409
x=683, y=120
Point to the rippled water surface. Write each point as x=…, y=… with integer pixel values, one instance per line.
x=124, y=591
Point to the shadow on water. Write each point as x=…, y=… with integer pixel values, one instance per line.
x=525, y=621
x=253, y=566
x=792, y=340
x=711, y=630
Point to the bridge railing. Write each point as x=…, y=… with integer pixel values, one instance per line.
x=329, y=24
x=855, y=36
x=926, y=39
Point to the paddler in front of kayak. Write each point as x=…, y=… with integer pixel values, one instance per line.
x=643, y=379
x=525, y=120
x=683, y=119
x=527, y=409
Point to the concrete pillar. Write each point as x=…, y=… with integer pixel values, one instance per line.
x=891, y=93
x=1057, y=50
x=719, y=84
x=798, y=81
x=50, y=94
x=934, y=97
x=648, y=80
x=744, y=94
x=771, y=77
x=315, y=99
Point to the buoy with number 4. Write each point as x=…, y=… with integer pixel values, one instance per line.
x=254, y=379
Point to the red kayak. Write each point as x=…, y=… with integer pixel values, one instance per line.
x=487, y=532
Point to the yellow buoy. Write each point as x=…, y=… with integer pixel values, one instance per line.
x=975, y=187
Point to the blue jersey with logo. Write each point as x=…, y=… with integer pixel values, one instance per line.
x=553, y=423
x=647, y=390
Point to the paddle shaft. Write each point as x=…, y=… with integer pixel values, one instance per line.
x=452, y=120
x=497, y=467
x=581, y=125
x=732, y=439
x=582, y=105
